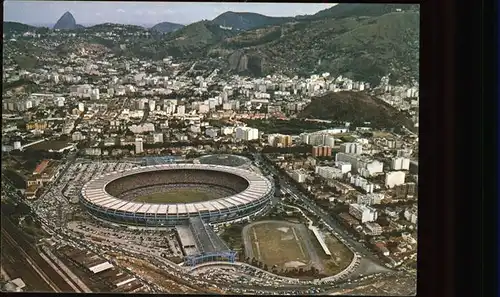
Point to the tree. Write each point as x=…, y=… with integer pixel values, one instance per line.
x=265, y=267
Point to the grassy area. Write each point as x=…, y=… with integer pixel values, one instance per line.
x=232, y=235
x=340, y=258
x=382, y=134
x=278, y=244
x=26, y=62
x=177, y=196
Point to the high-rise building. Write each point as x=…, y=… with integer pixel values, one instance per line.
x=81, y=107
x=351, y=148
x=321, y=151
x=400, y=164
x=363, y=213
x=246, y=133
x=139, y=146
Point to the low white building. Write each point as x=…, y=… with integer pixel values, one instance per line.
x=394, y=178
x=246, y=133
x=343, y=166
x=298, y=176
x=328, y=172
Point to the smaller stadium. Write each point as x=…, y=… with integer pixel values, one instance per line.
x=281, y=244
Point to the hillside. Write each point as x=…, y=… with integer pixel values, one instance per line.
x=247, y=20
x=363, y=49
x=15, y=27
x=355, y=107
x=166, y=27
x=190, y=42
x=346, y=10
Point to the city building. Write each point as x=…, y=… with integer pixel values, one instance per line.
x=299, y=176
x=406, y=190
x=328, y=172
x=394, y=178
x=373, y=228
x=369, y=199
x=139, y=146
x=361, y=182
x=157, y=137
x=246, y=133
x=351, y=148
x=321, y=151
x=411, y=215
x=343, y=166
x=279, y=140
x=363, y=213
x=400, y=164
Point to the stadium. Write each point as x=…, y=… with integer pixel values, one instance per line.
x=173, y=194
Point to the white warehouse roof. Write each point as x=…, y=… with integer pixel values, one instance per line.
x=101, y=267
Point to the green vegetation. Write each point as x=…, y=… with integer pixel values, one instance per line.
x=177, y=196
x=361, y=48
x=232, y=235
x=292, y=126
x=26, y=84
x=357, y=108
x=248, y=20
x=26, y=61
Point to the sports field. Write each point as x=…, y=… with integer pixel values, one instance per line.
x=279, y=243
x=341, y=256
x=177, y=196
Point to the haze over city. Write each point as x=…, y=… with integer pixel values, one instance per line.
x=144, y=13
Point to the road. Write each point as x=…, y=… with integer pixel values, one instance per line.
x=29, y=264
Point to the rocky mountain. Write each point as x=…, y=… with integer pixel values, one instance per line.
x=66, y=22
x=248, y=20
x=355, y=107
x=166, y=27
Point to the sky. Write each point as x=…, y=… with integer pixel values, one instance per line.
x=143, y=13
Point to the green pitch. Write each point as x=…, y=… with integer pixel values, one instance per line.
x=177, y=196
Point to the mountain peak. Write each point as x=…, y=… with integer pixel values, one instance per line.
x=66, y=22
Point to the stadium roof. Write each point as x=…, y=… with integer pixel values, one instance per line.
x=95, y=193
x=206, y=239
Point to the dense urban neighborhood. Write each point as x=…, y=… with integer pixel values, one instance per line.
x=129, y=172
